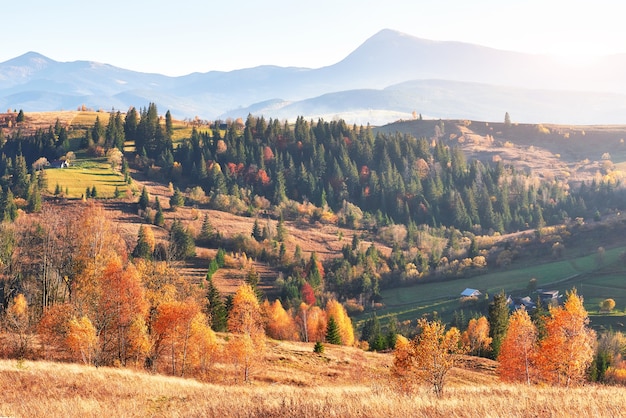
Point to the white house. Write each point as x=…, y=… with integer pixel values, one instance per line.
x=468, y=293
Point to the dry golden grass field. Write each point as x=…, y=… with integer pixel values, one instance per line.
x=291, y=382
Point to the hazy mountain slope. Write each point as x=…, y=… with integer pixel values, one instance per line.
x=369, y=83
x=451, y=100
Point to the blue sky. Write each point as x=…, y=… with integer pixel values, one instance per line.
x=185, y=36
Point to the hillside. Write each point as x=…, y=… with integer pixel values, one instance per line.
x=344, y=382
x=551, y=151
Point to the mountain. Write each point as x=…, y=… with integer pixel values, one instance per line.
x=388, y=77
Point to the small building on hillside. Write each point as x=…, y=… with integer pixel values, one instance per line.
x=469, y=293
x=59, y=164
x=549, y=297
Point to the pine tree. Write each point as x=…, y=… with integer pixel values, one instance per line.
x=498, y=321
x=177, y=200
x=206, y=231
x=144, y=199
x=332, y=332
x=159, y=218
x=281, y=231
x=34, y=199
x=257, y=232
x=145, y=243
x=215, y=306
x=10, y=207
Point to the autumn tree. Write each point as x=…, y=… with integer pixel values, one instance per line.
x=279, y=324
x=18, y=324
x=174, y=328
x=518, y=349
x=308, y=294
x=567, y=351
x=245, y=320
x=82, y=338
x=429, y=356
x=122, y=303
x=402, y=367
x=476, y=337
x=52, y=328
x=312, y=323
x=607, y=305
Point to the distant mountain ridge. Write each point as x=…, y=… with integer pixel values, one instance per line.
x=388, y=77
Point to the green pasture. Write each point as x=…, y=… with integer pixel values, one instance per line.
x=585, y=273
x=85, y=173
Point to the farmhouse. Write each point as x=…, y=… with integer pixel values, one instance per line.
x=468, y=293
x=59, y=164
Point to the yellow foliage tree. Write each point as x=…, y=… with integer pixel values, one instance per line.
x=82, y=339
x=245, y=319
x=203, y=347
x=429, y=356
x=476, y=336
x=138, y=343
x=338, y=312
x=18, y=324
x=518, y=349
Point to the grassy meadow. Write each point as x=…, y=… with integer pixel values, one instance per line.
x=45, y=389
x=84, y=173
x=592, y=281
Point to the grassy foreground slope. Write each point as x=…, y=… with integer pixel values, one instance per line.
x=45, y=389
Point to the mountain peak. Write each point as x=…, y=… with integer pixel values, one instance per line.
x=31, y=59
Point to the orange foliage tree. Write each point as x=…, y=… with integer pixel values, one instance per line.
x=122, y=303
x=429, y=356
x=173, y=329
x=518, y=349
x=476, y=336
x=567, y=351
x=402, y=368
x=279, y=324
x=52, y=328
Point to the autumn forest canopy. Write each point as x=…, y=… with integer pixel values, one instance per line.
x=414, y=210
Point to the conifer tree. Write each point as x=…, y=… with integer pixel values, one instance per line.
x=206, y=231
x=257, y=232
x=332, y=332
x=159, y=218
x=177, y=200
x=144, y=199
x=215, y=306
x=498, y=321
x=34, y=199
